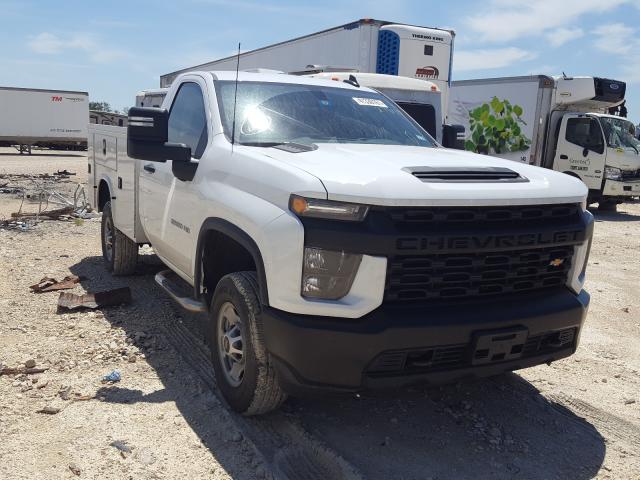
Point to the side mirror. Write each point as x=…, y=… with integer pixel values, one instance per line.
x=453, y=136
x=585, y=152
x=147, y=133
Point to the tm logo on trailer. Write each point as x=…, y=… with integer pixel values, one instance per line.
x=427, y=72
x=55, y=98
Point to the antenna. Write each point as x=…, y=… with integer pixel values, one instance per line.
x=235, y=99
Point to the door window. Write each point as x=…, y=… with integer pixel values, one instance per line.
x=187, y=119
x=586, y=133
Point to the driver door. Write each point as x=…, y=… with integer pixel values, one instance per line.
x=168, y=204
x=581, y=149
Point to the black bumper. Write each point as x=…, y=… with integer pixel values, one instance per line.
x=340, y=354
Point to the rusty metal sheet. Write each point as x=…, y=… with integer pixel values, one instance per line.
x=49, y=284
x=109, y=298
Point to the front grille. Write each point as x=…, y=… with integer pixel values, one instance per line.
x=431, y=272
x=549, y=342
x=450, y=357
x=453, y=276
x=630, y=174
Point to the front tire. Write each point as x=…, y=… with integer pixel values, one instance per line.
x=244, y=370
x=119, y=252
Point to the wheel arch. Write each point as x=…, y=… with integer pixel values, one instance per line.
x=222, y=229
x=104, y=192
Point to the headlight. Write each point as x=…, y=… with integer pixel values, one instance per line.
x=581, y=258
x=330, y=210
x=328, y=274
x=612, y=173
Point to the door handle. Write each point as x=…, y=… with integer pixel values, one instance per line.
x=564, y=157
x=149, y=168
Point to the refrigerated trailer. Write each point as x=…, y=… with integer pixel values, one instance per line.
x=366, y=45
x=560, y=123
x=49, y=118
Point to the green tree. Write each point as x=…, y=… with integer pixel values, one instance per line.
x=100, y=106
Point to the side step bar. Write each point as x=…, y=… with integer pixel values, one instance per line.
x=188, y=303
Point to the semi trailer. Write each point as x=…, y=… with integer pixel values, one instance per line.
x=333, y=244
x=561, y=123
x=365, y=46
x=48, y=118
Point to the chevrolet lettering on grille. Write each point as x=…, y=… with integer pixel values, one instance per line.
x=487, y=242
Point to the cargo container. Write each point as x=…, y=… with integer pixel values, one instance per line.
x=49, y=118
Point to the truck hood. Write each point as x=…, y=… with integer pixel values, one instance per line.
x=623, y=159
x=378, y=175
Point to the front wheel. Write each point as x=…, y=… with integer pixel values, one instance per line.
x=244, y=370
x=119, y=252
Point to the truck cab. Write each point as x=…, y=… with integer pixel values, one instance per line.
x=602, y=151
x=598, y=148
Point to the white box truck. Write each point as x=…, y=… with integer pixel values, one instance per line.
x=335, y=245
x=554, y=122
x=50, y=118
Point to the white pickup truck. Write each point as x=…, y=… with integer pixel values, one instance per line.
x=334, y=244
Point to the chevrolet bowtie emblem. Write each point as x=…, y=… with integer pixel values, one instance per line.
x=556, y=262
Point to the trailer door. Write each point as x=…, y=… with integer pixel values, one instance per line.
x=581, y=149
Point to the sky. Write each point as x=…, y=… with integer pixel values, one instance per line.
x=115, y=49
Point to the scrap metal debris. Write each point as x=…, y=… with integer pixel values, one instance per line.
x=109, y=298
x=52, y=204
x=49, y=284
x=21, y=370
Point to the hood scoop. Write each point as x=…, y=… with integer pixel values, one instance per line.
x=465, y=174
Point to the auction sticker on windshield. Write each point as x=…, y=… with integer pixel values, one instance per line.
x=370, y=102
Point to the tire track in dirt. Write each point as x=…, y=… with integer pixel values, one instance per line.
x=608, y=424
x=289, y=450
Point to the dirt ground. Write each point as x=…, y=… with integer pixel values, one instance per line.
x=576, y=419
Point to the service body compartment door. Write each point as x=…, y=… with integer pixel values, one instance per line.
x=581, y=149
x=125, y=191
x=105, y=150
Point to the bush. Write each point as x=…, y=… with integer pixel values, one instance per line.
x=495, y=128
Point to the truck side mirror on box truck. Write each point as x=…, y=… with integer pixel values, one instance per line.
x=147, y=133
x=453, y=136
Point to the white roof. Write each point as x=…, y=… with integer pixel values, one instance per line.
x=277, y=78
x=379, y=80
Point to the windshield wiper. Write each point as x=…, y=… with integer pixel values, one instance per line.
x=261, y=144
x=291, y=147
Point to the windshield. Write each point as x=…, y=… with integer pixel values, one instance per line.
x=271, y=113
x=620, y=133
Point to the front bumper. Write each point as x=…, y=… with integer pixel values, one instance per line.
x=312, y=352
x=616, y=188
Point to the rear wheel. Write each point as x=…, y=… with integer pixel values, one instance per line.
x=244, y=370
x=119, y=252
x=607, y=205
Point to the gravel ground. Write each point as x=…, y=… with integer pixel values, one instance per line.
x=578, y=418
